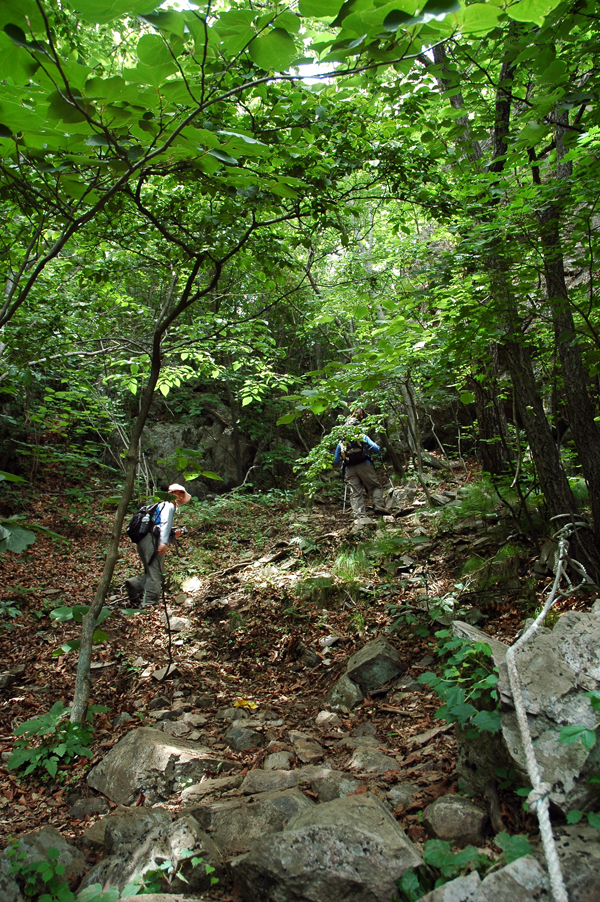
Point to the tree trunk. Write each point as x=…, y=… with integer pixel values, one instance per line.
x=576, y=381
x=491, y=422
x=81, y=695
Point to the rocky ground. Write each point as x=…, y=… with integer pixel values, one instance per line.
x=267, y=604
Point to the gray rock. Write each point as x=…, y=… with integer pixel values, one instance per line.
x=463, y=889
x=122, y=718
x=210, y=786
x=236, y=824
x=402, y=795
x=320, y=864
x=345, y=694
x=456, y=820
x=369, y=760
x=325, y=720
x=523, y=880
x=35, y=847
x=178, y=624
x=9, y=889
x=148, y=763
x=241, y=739
x=578, y=848
x=269, y=781
x=306, y=748
x=131, y=827
x=279, y=760
x=333, y=784
x=176, y=728
x=164, y=842
x=374, y=665
x=231, y=714
x=85, y=807
x=556, y=669
x=366, y=814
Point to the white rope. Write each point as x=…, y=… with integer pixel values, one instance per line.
x=538, y=797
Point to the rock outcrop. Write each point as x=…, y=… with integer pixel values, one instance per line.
x=153, y=766
x=556, y=668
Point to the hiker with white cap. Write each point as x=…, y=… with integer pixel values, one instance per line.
x=152, y=549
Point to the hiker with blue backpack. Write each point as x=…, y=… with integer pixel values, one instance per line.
x=152, y=531
x=354, y=455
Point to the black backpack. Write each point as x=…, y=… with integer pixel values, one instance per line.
x=354, y=452
x=141, y=522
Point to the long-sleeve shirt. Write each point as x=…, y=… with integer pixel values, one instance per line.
x=375, y=449
x=164, y=520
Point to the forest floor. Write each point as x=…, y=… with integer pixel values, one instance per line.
x=261, y=581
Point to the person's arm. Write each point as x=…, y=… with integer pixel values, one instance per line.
x=375, y=449
x=166, y=524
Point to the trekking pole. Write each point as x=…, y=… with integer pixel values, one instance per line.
x=345, y=493
x=389, y=478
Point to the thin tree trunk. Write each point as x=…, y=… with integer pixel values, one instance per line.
x=81, y=695
x=576, y=381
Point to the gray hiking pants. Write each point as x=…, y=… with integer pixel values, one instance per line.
x=148, y=586
x=360, y=477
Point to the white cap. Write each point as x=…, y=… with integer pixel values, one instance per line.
x=179, y=488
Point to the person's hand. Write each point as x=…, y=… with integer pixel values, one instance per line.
x=161, y=548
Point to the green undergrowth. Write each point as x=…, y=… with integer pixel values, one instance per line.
x=466, y=684
x=441, y=864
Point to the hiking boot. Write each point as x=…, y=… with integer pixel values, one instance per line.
x=380, y=512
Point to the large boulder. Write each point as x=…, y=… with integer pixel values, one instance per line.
x=150, y=765
x=375, y=664
x=235, y=825
x=365, y=813
x=212, y=434
x=319, y=864
x=137, y=846
x=556, y=669
x=32, y=848
x=350, y=849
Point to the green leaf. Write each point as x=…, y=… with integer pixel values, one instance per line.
x=532, y=10
x=410, y=887
x=62, y=614
x=223, y=157
x=210, y=475
x=274, y=50
x=573, y=732
x=285, y=419
x=102, y=11
x=594, y=698
x=488, y=721
x=593, y=819
x=433, y=10
x=574, y=816
x=479, y=18
x=94, y=893
x=66, y=647
x=10, y=477
x=319, y=9
x=467, y=397
x=513, y=846
x=152, y=51
x=15, y=538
